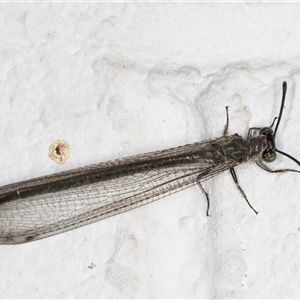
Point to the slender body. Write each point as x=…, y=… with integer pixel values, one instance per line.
x=45, y=206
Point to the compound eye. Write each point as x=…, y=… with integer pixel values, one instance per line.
x=269, y=157
x=266, y=130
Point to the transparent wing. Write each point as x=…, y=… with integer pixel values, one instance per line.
x=49, y=205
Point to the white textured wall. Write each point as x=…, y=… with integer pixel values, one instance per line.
x=124, y=78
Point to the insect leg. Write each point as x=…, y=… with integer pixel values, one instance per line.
x=240, y=189
x=274, y=171
x=206, y=195
x=227, y=122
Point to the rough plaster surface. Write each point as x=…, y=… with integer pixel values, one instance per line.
x=117, y=79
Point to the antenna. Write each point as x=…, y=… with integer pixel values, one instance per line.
x=284, y=86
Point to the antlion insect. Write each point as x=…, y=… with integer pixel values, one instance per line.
x=46, y=206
